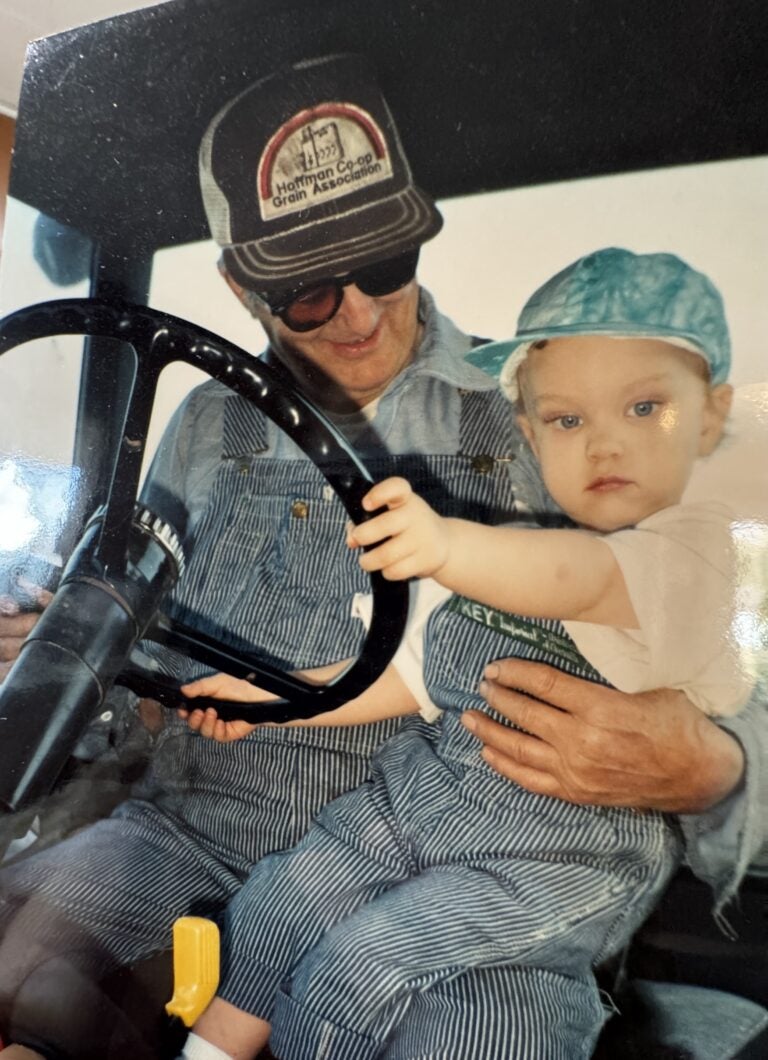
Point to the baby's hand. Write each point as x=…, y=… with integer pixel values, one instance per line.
x=414, y=538
x=221, y=686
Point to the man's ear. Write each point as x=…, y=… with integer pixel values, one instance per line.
x=718, y=407
x=248, y=299
x=233, y=285
x=525, y=426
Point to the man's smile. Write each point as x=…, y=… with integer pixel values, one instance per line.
x=357, y=347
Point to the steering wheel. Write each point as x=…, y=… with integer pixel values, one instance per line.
x=128, y=559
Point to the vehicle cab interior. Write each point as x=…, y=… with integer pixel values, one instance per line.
x=533, y=127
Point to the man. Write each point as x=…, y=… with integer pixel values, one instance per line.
x=309, y=195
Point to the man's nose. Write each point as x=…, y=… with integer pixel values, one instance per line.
x=360, y=312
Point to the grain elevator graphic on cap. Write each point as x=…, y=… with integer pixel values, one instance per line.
x=304, y=177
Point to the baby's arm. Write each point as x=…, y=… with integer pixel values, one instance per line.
x=563, y=574
x=221, y=686
x=387, y=697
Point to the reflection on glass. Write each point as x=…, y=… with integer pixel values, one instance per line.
x=35, y=499
x=750, y=623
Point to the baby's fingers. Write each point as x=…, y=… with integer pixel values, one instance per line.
x=194, y=718
x=217, y=686
x=221, y=732
x=392, y=493
x=394, y=558
x=204, y=686
x=209, y=724
x=388, y=524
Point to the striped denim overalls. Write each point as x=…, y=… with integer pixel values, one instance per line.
x=438, y=866
x=268, y=565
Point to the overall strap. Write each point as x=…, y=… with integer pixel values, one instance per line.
x=488, y=428
x=488, y=432
x=245, y=428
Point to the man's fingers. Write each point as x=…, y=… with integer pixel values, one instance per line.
x=10, y=648
x=652, y=750
x=8, y=606
x=14, y=629
x=528, y=761
x=516, y=755
x=521, y=747
x=531, y=779
x=41, y=596
x=544, y=683
x=547, y=723
x=19, y=625
x=29, y=595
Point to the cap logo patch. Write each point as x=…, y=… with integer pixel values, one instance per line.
x=321, y=154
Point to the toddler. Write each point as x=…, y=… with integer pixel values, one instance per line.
x=437, y=864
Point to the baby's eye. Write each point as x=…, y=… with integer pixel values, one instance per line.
x=643, y=408
x=568, y=422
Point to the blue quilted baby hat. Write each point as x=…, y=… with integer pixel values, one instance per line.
x=615, y=292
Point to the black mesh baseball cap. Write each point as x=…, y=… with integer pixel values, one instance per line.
x=304, y=177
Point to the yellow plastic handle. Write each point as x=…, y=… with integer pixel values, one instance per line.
x=195, y=967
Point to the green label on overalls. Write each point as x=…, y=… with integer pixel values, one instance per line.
x=524, y=630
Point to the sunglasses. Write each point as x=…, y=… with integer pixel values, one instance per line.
x=306, y=308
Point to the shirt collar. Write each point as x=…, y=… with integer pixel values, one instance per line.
x=440, y=355
x=443, y=349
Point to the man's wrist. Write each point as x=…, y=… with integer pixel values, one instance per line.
x=721, y=768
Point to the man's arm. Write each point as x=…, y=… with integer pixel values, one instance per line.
x=654, y=750
x=723, y=841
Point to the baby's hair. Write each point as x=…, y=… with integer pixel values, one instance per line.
x=524, y=401
x=524, y=396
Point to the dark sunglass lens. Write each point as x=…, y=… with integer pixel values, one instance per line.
x=313, y=307
x=386, y=277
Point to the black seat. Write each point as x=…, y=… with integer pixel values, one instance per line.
x=690, y=991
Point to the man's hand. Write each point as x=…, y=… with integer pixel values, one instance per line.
x=417, y=545
x=586, y=743
x=15, y=625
